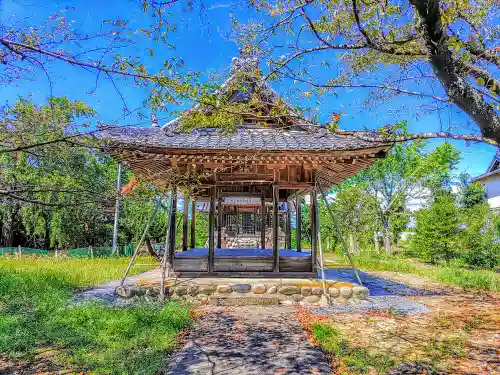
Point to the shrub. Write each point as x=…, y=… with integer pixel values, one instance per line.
x=437, y=228
x=478, y=244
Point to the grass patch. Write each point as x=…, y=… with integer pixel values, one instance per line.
x=35, y=313
x=446, y=274
x=348, y=360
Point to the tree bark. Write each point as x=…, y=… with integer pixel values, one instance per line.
x=376, y=243
x=149, y=246
x=352, y=250
x=448, y=71
x=387, y=237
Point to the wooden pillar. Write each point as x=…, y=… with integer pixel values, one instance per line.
x=288, y=238
x=193, y=224
x=262, y=222
x=211, y=230
x=298, y=222
x=173, y=221
x=219, y=223
x=314, y=229
x=276, y=251
x=185, y=226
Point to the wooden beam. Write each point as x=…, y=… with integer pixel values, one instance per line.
x=276, y=250
x=211, y=230
x=185, y=225
x=262, y=221
x=298, y=222
x=193, y=224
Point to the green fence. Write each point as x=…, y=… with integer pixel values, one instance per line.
x=83, y=252
x=22, y=251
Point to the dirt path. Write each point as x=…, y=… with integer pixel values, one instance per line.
x=249, y=340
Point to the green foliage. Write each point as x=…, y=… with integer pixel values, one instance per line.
x=479, y=245
x=35, y=312
x=437, y=230
x=351, y=360
x=385, y=189
x=54, y=193
x=472, y=194
x=448, y=274
x=60, y=194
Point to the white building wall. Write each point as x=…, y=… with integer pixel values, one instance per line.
x=492, y=185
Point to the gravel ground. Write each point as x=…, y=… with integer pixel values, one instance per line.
x=399, y=305
x=106, y=292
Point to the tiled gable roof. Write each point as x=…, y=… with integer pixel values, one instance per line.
x=243, y=139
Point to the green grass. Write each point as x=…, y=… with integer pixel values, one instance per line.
x=349, y=360
x=446, y=274
x=35, y=313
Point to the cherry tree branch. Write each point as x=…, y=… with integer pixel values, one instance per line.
x=376, y=137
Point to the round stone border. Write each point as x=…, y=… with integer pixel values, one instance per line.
x=289, y=293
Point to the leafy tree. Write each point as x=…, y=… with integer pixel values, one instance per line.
x=437, y=230
x=356, y=212
x=406, y=173
x=57, y=193
x=443, y=52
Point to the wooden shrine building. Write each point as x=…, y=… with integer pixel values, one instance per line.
x=255, y=168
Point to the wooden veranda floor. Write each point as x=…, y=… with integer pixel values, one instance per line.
x=249, y=262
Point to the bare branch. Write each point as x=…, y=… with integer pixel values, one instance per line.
x=447, y=70
x=376, y=137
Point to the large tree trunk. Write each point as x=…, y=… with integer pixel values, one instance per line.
x=451, y=72
x=150, y=248
x=8, y=232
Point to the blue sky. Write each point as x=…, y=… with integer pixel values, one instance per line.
x=203, y=41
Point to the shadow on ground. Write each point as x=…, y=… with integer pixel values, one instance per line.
x=254, y=340
x=378, y=286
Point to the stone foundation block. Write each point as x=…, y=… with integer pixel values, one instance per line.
x=181, y=290
x=334, y=292
x=306, y=291
x=312, y=299
x=360, y=292
x=192, y=290
x=295, y=297
x=272, y=290
x=259, y=289
x=346, y=292
x=206, y=289
x=241, y=288
x=316, y=291
x=202, y=297
x=224, y=289
x=289, y=290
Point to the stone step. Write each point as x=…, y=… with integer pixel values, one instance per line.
x=222, y=300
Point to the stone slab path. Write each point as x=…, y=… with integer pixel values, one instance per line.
x=248, y=340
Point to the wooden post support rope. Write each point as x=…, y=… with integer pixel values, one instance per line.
x=165, y=263
x=322, y=263
x=141, y=240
